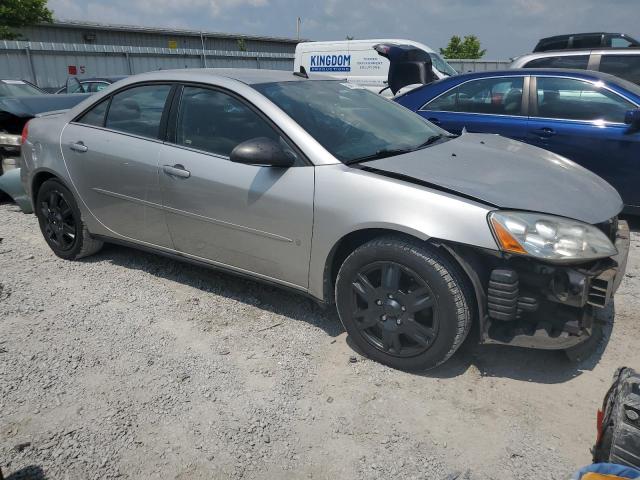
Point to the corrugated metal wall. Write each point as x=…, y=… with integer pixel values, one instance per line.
x=140, y=37
x=47, y=64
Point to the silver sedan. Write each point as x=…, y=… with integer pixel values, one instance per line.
x=339, y=194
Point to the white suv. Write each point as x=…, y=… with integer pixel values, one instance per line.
x=623, y=63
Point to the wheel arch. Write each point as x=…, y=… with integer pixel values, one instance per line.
x=39, y=178
x=462, y=258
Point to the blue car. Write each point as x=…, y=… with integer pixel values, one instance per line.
x=589, y=117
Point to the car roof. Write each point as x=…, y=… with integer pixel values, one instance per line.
x=550, y=72
x=567, y=35
x=112, y=79
x=556, y=72
x=245, y=75
x=578, y=51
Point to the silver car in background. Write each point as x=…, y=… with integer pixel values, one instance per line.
x=340, y=194
x=621, y=62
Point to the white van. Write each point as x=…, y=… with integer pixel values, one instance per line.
x=358, y=62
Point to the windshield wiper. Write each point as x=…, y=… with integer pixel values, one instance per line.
x=383, y=153
x=430, y=140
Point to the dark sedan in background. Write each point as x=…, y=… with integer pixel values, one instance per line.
x=589, y=117
x=89, y=85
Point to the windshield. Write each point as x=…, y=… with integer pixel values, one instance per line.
x=18, y=88
x=350, y=122
x=441, y=65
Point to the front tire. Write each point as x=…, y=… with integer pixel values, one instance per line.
x=61, y=222
x=403, y=303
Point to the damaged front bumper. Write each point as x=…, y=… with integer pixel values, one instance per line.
x=527, y=303
x=10, y=182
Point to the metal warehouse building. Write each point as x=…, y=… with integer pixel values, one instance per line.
x=47, y=54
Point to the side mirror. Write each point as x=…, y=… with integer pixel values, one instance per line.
x=632, y=117
x=262, y=151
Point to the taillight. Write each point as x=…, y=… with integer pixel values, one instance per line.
x=25, y=133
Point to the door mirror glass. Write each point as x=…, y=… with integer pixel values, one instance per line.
x=262, y=151
x=632, y=118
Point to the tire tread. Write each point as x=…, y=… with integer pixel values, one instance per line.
x=450, y=273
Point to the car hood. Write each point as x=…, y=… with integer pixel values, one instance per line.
x=506, y=174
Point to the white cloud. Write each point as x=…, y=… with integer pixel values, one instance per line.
x=505, y=27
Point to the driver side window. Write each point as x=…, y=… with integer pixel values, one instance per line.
x=215, y=122
x=492, y=96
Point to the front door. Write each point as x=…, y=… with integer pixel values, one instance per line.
x=585, y=123
x=251, y=218
x=485, y=105
x=112, y=156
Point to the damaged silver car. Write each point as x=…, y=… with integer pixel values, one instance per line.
x=340, y=194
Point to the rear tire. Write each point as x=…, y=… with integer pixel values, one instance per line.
x=61, y=222
x=403, y=303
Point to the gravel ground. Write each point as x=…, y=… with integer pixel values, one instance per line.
x=129, y=365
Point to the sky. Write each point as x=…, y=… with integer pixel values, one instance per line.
x=506, y=28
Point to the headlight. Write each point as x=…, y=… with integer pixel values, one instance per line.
x=549, y=237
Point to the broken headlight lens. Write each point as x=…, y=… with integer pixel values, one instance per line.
x=549, y=237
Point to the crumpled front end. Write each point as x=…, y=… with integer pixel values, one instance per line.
x=531, y=303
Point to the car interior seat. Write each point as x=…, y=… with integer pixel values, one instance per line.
x=513, y=101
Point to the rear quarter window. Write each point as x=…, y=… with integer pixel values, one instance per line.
x=95, y=116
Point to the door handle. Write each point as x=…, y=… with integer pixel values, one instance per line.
x=79, y=147
x=545, y=132
x=434, y=120
x=176, y=170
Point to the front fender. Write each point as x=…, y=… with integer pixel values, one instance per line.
x=348, y=200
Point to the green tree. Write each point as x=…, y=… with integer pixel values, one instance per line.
x=21, y=13
x=469, y=47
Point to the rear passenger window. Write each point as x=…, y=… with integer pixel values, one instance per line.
x=95, y=116
x=215, y=122
x=552, y=44
x=587, y=41
x=138, y=110
x=492, y=96
x=623, y=66
x=568, y=61
x=571, y=99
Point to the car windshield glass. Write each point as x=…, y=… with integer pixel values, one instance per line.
x=441, y=65
x=17, y=88
x=352, y=123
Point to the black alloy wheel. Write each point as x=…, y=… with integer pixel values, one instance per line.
x=61, y=222
x=404, y=302
x=59, y=225
x=394, y=309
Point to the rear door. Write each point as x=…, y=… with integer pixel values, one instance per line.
x=111, y=152
x=484, y=105
x=584, y=122
x=251, y=218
